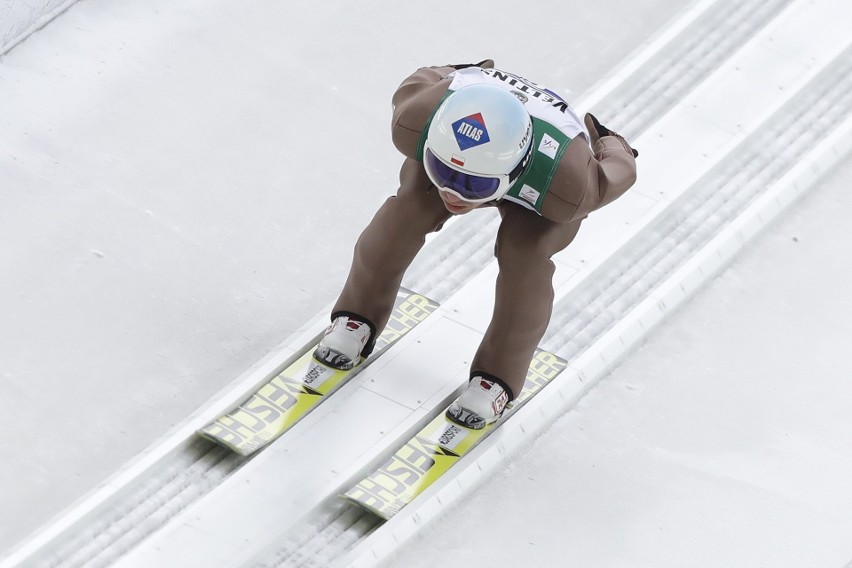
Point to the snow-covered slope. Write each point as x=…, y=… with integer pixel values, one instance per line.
x=722, y=441
x=208, y=188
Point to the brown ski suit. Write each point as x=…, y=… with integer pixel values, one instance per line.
x=587, y=178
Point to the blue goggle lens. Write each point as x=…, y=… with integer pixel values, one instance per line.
x=468, y=186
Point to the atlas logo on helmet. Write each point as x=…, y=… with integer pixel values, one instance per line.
x=470, y=131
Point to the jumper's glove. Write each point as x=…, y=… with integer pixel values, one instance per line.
x=485, y=64
x=604, y=131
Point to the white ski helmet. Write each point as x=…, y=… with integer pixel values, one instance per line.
x=478, y=143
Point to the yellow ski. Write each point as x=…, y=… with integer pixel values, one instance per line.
x=294, y=392
x=436, y=448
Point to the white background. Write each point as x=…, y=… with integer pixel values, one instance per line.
x=180, y=188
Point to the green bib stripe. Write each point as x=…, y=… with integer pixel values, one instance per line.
x=548, y=145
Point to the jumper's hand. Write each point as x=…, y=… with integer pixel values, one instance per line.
x=602, y=131
x=485, y=64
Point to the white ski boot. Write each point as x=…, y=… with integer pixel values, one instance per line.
x=343, y=342
x=482, y=403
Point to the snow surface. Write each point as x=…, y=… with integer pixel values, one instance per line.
x=170, y=210
x=723, y=441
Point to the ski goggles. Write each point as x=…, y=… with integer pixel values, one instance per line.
x=469, y=187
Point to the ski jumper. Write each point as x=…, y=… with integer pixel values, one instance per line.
x=572, y=171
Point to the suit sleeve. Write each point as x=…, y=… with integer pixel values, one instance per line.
x=589, y=177
x=614, y=166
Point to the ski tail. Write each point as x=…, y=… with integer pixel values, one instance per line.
x=436, y=448
x=287, y=397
